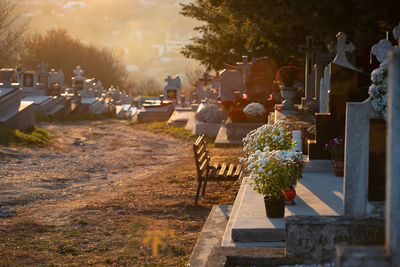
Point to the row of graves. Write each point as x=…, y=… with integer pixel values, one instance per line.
x=24, y=93
x=337, y=215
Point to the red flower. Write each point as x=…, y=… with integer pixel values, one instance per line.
x=237, y=115
x=227, y=104
x=288, y=75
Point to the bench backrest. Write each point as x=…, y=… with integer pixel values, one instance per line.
x=201, y=156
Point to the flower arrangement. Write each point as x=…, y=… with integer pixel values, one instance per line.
x=254, y=110
x=273, y=172
x=237, y=115
x=335, y=147
x=227, y=104
x=270, y=136
x=378, y=88
x=288, y=75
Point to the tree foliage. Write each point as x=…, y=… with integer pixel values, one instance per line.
x=61, y=51
x=276, y=28
x=12, y=31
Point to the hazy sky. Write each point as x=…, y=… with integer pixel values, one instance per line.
x=131, y=26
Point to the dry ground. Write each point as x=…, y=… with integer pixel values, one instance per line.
x=122, y=198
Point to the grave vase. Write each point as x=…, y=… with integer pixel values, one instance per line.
x=289, y=94
x=338, y=167
x=274, y=208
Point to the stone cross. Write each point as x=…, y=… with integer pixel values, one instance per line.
x=79, y=72
x=342, y=47
x=309, y=49
x=205, y=78
x=245, y=66
x=381, y=49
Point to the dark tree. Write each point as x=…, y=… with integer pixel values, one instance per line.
x=61, y=51
x=275, y=28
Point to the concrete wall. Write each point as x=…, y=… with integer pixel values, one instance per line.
x=312, y=239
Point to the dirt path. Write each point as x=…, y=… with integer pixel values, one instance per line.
x=101, y=194
x=87, y=158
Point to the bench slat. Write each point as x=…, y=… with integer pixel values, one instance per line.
x=230, y=170
x=222, y=171
x=201, y=149
x=238, y=170
x=204, y=165
x=199, y=140
x=203, y=156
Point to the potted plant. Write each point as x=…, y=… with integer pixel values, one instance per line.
x=271, y=174
x=288, y=76
x=255, y=112
x=335, y=148
x=270, y=136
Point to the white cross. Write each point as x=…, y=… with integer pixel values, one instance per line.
x=381, y=49
x=79, y=71
x=341, y=49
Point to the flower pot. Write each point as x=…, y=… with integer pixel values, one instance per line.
x=338, y=167
x=275, y=208
x=289, y=194
x=289, y=95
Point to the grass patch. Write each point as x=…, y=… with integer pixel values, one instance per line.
x=31, y=137
x=180, y=133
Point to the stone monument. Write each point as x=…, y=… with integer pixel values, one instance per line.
x=172, y=91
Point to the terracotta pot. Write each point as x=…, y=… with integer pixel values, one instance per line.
x=274, y=208
x=338, y=167
x=289, y=194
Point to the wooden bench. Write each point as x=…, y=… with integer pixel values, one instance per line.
x=206, y=172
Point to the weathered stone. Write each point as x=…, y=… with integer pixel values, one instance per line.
x=314, y=239
x=260, y=81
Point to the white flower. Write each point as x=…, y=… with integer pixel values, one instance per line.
x=254, y=110
x=378, y=88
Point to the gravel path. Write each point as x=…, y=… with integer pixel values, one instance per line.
x=85, y=160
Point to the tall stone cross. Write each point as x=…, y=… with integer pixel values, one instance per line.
x=205, y=79
x=342, y=47
x=245, y=66
x=79, y=72
x=310, y=50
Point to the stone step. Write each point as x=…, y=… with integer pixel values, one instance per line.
x=318, y=193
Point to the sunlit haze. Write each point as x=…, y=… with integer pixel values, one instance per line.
x=146, y=32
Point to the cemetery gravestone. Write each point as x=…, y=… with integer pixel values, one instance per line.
x=43, y=76
x=231, y=81
x=309, y=49
x=172, y=91
x=260, y=80
x=346, y=85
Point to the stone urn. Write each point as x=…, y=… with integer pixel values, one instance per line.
x=289, y=94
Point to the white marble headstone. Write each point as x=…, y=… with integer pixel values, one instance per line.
x=342, y=47
x=381, y=49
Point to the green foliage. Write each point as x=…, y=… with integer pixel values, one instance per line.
x=272, y=172
x=31, y=137
x=275, y=28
